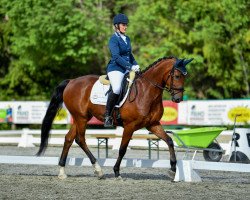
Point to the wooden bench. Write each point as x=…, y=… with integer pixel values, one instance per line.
x=153, y=140
x=103, y=139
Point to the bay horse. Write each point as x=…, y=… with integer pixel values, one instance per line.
x=145, y=110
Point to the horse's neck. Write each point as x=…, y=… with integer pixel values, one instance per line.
x=152, y=77
x=158, y=73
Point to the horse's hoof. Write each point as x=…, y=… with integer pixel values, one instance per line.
x=99, y=174
x=102, y=178
x=119, y=178
x=98, y=171
x=62, y=176
x=171, y=174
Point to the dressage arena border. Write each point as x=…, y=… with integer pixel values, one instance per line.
x=144, y=163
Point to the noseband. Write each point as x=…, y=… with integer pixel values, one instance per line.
x=171, y=89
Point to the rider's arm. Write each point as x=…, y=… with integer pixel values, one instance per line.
x=133, y=61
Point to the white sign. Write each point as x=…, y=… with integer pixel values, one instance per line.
x=218, y=112
x=33, y=112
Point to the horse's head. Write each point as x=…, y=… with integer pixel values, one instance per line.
x=175, y=79
x=168, y=73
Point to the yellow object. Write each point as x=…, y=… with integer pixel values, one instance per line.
x=104, y=81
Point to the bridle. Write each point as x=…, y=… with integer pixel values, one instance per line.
x=172, y=90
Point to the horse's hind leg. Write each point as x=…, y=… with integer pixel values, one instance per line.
x=159, y=131
x=80, y=140
x=127, y=134
x=69, y=138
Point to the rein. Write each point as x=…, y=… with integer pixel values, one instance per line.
x=171, y=89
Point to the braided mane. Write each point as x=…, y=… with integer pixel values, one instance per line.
x=157, y=61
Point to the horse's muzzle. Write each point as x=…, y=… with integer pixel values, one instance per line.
x=177, y=99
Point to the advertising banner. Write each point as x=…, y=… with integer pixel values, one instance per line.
x=170, y=113
x=182, y=113
x=94, y=121
x=62, y=117
x=6, y=109
x=33, y=112
x=3, y=115
x=174, y=113
x=29, y=112
x=192, y=112
x=218, y=112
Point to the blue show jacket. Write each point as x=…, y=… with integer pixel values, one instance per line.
x=121, y=54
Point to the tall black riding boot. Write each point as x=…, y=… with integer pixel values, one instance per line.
x=112, y=99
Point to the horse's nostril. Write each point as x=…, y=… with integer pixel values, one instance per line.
x=178, y=100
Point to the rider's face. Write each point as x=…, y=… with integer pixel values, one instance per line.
x=123, y=28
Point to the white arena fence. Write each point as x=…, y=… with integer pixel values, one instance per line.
x=31, y=138
x=185, y=168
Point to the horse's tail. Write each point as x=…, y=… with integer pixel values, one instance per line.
x=54, y=106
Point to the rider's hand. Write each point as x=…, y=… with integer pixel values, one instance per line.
x=135, y=68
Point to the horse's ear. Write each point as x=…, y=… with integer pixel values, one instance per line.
x=179, y=65
x=185, y=62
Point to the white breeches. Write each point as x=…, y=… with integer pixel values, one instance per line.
x=116, y=78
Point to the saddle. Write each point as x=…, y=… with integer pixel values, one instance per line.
x=126, y=84
x=105, y=81
x=102, y=87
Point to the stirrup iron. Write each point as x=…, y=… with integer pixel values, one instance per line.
x=108, y=121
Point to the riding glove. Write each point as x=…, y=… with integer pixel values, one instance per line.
x=135, y=68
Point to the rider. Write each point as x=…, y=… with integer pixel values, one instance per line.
x=121, y=62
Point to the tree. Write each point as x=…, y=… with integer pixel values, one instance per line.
x=215, y=33
x=4, y=43
x=44, y=42
x=52, y=41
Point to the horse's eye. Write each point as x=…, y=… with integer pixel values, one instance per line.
x=177, y=77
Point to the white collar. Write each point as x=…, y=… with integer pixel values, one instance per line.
x=122, y=36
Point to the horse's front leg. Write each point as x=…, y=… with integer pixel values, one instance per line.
x=159, y=131
x=127, y=134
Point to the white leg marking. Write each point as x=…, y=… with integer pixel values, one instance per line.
x=119, y=178
x=62, y=174
x=98, y=170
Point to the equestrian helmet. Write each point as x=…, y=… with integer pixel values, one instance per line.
x=120, y=19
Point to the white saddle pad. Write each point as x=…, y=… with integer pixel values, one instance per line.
x=98, y=96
